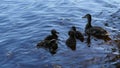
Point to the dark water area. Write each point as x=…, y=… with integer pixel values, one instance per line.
x=25, y=23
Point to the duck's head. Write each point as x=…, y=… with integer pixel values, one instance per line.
x=71, y=33
x=53, y=31
x=74, y=28
x=87, y=16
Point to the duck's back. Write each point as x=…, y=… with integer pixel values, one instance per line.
x=97, y=31
x=50, y=37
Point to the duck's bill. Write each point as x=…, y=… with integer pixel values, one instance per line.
x=84, y=17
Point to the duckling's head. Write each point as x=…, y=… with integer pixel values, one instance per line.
x=54, y=32
x=71, y=33
x=74, y=28
x=87, y=16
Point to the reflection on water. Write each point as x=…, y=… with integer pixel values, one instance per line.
x=106, y=39
x=115, y=59
x=88, y=40
x=117, y=65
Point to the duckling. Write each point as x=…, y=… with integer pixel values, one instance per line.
x=71, y=41
x=78, y=34
x=96, y=31
x=46, y=41
x=53, y=35
x=53, y=46
x=50, y=45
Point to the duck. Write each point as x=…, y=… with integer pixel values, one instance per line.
x=71, y=41
x=78, y=34
x=95, y=31
x=47, y=39
x=53, y=35
x=50, y=45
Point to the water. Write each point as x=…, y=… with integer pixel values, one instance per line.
x=25, y=23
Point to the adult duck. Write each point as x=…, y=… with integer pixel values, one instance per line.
x=95, y=31
x=78, y=34
x=71, y=41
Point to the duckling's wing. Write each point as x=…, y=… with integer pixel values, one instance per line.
x=40, y=44
x=79, y=36
x=54, y=46
x=71, y=43
x=67, y=42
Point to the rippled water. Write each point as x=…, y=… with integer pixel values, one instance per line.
x=25, y=23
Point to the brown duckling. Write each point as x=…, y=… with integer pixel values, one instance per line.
x=95, y=31
x=48, y=38
x=53, y=35
x=78, y=34
x=50, y=45
x=71, y=41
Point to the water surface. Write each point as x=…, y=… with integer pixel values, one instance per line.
x=25, y=23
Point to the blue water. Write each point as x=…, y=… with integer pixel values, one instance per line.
x=25, y=23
